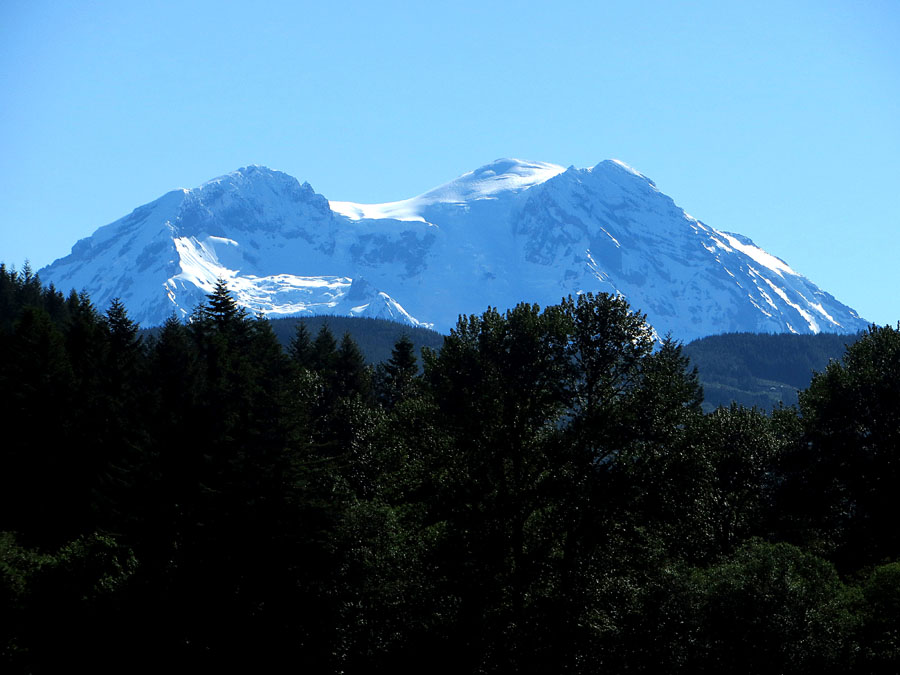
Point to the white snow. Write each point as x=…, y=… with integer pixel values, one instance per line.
x=813, y=324
x=615, y=241
x=487, y=182
x=407, y=210
x=224, y=240
x=629, y=169
x=510, y=231
x=821, y=310
x=765, y=259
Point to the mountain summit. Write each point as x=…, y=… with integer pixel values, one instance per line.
x=510, y=231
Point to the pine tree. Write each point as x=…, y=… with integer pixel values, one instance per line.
x=324, y=351
x=121, y=442
x=222, y=308
x=396, y=378
x=301, y=347
x=40, y=465
x=351, y=376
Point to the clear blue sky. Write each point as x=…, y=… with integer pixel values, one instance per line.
x=777, y=120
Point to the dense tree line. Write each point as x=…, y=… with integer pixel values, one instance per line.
x=760, y=369
x=374, y=337
x=543, y=494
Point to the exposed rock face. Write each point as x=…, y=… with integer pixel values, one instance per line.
x=508, y=232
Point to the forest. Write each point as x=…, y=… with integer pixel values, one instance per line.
x=761, y=369
x=543, y=494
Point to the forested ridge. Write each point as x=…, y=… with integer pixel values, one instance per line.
x=544, y=494
x=761, y=369
x=374, y=337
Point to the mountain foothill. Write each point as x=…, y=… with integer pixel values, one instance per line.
x=458, y=432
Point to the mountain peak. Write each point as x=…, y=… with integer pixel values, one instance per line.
x=256, y=168
x=614, y=166
x=512, y=230
x=251, y=172
x=505, y=175
x=486, y=182
x=512, y=172
x=257, y=183
x=511, y=165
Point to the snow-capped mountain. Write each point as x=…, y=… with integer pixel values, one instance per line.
x=507, y=232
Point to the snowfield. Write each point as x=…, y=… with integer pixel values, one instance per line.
x=507, y=232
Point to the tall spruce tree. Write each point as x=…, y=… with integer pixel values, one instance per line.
x=301, y=348
x=351, y=376
x=324, y=352
x=396, y=378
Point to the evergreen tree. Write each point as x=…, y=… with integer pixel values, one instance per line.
x=396, y=379
x=123, y=331
x=301, y=348
x=55, y=304
x=121, y=441
x=42, y=489
x=222, y=309
x=546, y=497
x=324, y=353
x=351, y=376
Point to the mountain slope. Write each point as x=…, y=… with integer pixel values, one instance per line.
x=507, y=232
x=761, y=370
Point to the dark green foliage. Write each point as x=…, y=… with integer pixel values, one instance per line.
x=789, y=609
x=729, y=469
x=324, y=352
x=63, y=607
x=36, y=377
x=300, y=348
x=351, y=376
x=844, y=478
x=239, y=530
x=397, y=378
x=558, y=423
x=879, y=610
x=492, y=478
x=545, y=495
x=761, y=370
x=374, y=337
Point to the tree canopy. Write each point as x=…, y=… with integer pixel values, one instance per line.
x=542, y=494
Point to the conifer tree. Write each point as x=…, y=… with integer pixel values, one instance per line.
x=122, y=440
x=351, y=376
x=324, y=351
x=301, y=347
x=221, y=306
x=41, y=494
x=396, y=377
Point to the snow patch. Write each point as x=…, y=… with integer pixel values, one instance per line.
x=629, y=169
x=223, y=240
x=821, y=310
x=813, y=325
x=488, y=182
x=407, y=210
x=765, y=259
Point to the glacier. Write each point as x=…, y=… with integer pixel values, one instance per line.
x=507, y=232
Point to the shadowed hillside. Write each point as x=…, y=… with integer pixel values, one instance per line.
x=761, y=370
x=375, y=337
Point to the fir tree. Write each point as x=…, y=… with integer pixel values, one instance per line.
x=396, y=377
x=301, y=347
x=351, y=376
x=324, y=352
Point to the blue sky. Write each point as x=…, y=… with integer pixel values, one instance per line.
x=777, y=120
